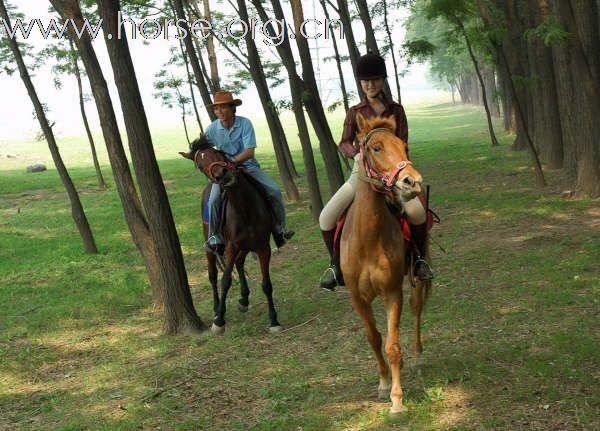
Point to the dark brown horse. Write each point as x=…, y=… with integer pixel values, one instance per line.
x=373, y=248
x=247, y=228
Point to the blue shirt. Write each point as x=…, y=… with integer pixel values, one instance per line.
x=232, y=141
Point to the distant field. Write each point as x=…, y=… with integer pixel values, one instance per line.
x=511, y=332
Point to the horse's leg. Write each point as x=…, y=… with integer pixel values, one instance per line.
x=393, y=305
x=219, y=321
x=264, y=257
x=416, y=308
x=213, y=272
x=213, y=277
x=365, y=312
x=245, y=292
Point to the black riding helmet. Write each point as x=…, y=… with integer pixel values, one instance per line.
x=371, y=66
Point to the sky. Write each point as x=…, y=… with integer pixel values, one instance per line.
x=16, y=113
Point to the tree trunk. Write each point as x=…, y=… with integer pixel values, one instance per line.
x=77, y=212
x=338, y=61
x=547, y=128
x=275, y=127
x=188, y=74
x=136, y=221
x=483, y=92
x=212, y=54
x=520, y=114
x=314, y=106
x=180, y=315
x=99, y=176
x=577, y=67
x=296, y=88
x=189, y=46
x=344, y=13
x=491, y=91
x=508, y=112
x=371, y=42
x=391, y=42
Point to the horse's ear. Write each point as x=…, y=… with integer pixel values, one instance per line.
x=361, y=122
x=186, y=155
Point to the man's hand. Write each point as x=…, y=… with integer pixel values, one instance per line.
x=243, y=156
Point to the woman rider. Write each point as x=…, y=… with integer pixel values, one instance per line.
x=371, y=72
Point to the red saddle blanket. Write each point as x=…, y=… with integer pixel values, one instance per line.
x=402, y=221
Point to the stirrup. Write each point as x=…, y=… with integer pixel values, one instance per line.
x=425, y=273
x=216, y=249
x=328, y=280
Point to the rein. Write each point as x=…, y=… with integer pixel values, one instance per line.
x=380, y=182
x=209, y=171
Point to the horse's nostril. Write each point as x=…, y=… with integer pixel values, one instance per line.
x=409, y=181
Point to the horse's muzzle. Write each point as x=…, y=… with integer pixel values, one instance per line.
x=408, y=187
x=225, y=178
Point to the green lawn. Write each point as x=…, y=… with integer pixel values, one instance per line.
x=511, y=332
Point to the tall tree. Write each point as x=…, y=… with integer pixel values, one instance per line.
x=180, y=315
x=193, y=57
x=314, y=106
x=338, y=59
x=132, y=207
x=505, y=67
x=186, y=63
x=344, y=13
x=65, y=55
x=210, y=48
x=77, y=211
x=577, y=73
x=388, y=31
x=296, y=89
x=546, y=117
x=86, y=124
x=371, y=41
x=275, y=126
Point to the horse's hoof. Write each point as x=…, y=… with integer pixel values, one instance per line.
x=398, y=410
x=242, y=308
x=275, y=329
x=215, y=329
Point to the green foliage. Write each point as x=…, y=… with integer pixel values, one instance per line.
x=7, y=62
x=172, y=89
x=550, y=31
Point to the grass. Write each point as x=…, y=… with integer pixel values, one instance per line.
x=511, y=331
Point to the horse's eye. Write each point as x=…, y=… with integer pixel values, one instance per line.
x=376, y=148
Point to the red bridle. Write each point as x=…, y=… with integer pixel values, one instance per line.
x=381, y=182
x=227, y=164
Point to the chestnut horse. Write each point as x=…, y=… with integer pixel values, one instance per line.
x=247, y=228
x=373, y=249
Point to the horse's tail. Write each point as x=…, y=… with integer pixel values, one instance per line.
x=426, y=291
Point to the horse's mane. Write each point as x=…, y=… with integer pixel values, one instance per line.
x=199, y=144
x=380, y=122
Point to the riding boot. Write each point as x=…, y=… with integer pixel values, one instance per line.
x=418, y=235
x=332, y=276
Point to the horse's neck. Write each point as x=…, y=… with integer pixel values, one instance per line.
x=371, y=210
x=242, y=193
